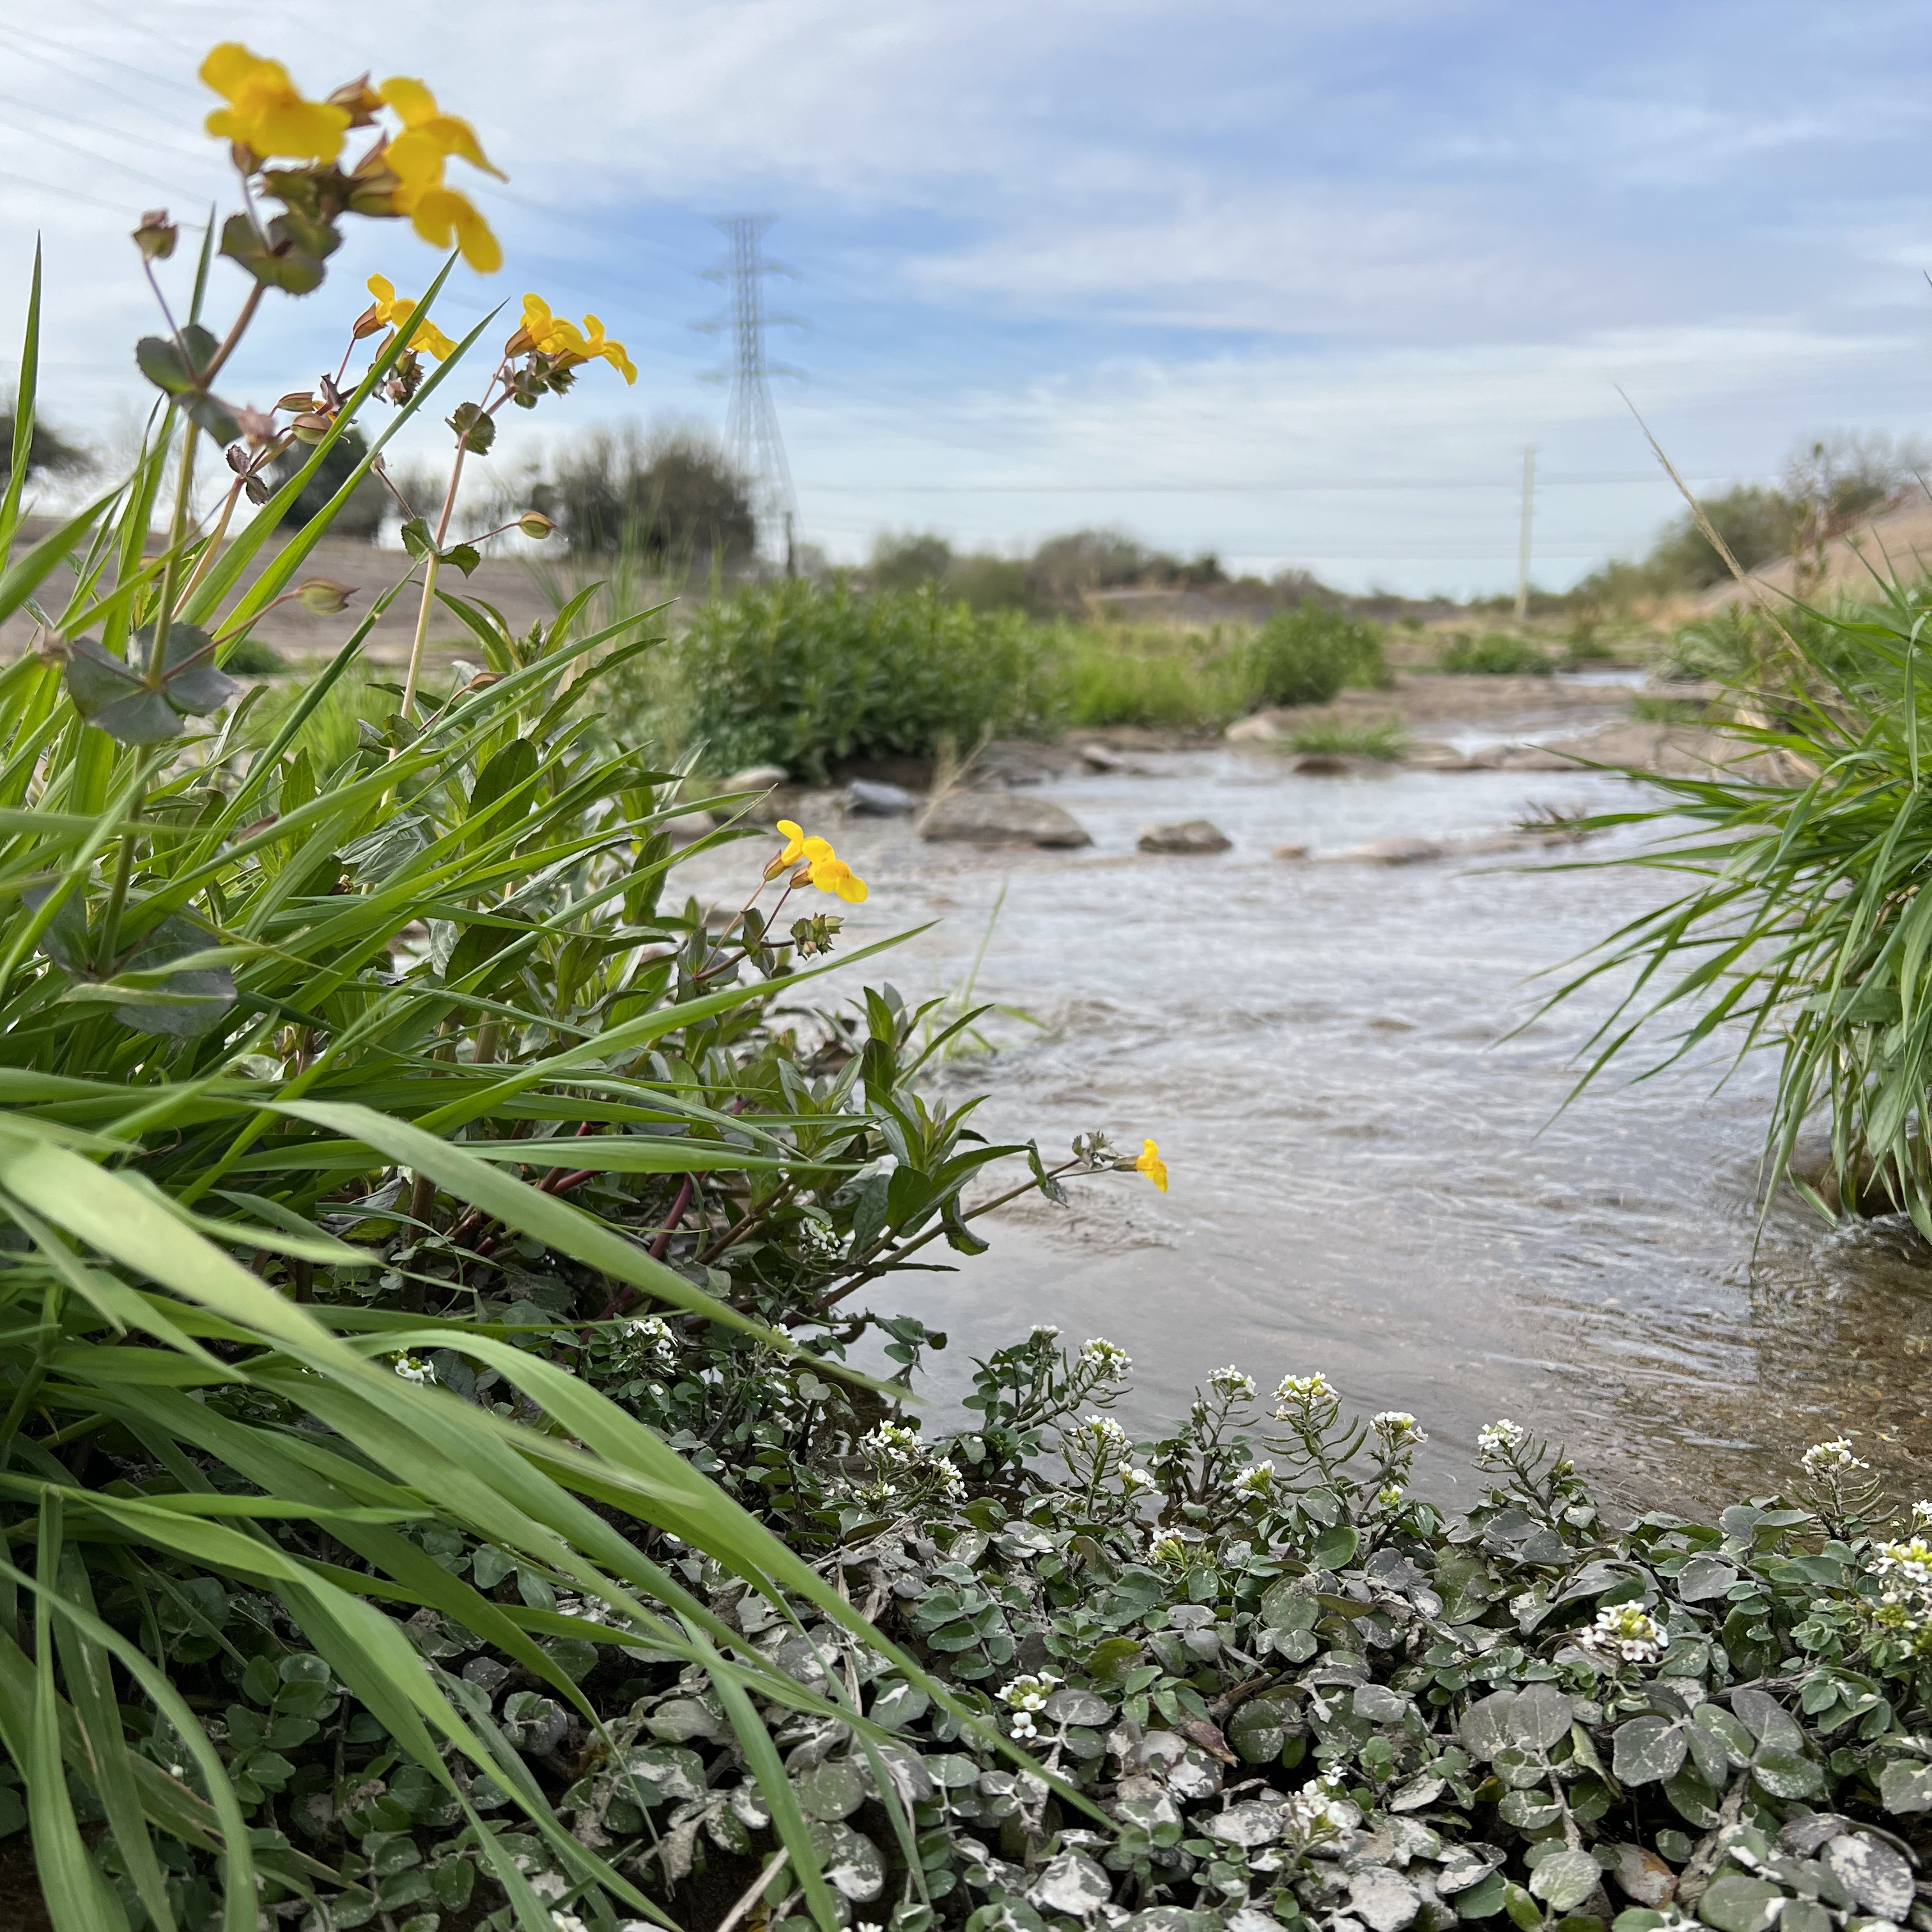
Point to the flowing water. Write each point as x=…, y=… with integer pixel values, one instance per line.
x=1368, y=1176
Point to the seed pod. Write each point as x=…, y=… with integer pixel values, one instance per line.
x=309, y=427
x=535, y=523
x=155, y=237
x=368, y=323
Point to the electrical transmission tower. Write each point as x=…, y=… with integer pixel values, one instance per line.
x=752, y=428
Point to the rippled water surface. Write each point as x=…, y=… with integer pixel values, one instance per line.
x=1368, y=1178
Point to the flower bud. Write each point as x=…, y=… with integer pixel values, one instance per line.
x=803, y=876
x=519, y=343
x=310, y=427
x=155, y=237
x=776, y=867
x=362, y=101
x=368, y=323
x=535, y=523
x=296, y=399
x=323, y=595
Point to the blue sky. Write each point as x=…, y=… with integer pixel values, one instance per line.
x=1294, y=283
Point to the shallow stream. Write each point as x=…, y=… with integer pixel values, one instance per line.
x=1368, y=1178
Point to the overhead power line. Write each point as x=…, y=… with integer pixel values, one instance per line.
x=1511, y=483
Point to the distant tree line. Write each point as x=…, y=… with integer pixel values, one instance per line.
x=1829, y=483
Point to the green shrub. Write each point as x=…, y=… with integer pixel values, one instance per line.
x=1306, y=655
x=1496, y=654
x=802, y=676
x=251, y=658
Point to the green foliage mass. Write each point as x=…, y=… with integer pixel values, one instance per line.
x=1496, y=654
x=1305, y=655
x=802, y=676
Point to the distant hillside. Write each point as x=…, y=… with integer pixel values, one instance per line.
x=1897, y=541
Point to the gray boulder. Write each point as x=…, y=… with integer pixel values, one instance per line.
x=998, y=818
x=756, y=778
x=1191, y=835
x=872, y=798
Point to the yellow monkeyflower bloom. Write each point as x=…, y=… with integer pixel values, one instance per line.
x=831, y=875
x=439, y=214
x=428, y=130
x=1151, y=1165
x=613, y=352
x=397, y=309
x=798, y=846
x=266, y=113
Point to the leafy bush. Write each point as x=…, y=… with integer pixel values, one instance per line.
x=1496, y=654
x=802, y=676
x=1159, y=678
x=1306, y=655
x=673, y=497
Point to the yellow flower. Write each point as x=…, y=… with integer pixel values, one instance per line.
x=597, y=343
x=397, y=309
x=797, y=845
x=265, y=114
x=426, y=130
x=439, y=214
x=1151, y=1165
x=831, y=875
x=552, y=335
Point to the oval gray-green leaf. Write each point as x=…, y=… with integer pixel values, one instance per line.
x=1767, y=1721
x=1257, y=1732
x=1540, y=1717
x=1485, y=1728
x=1563, y=1882
x=1072, y=1883
x=850, y=1860
x=1285, y=1608
x=1786, y=1774
x=1738, y=1904
x=1078, y=1707
x=830, y=1790
x=1648, y=1750
x=1704, y=1577
x=1903, y=1787
x=1877, y=1876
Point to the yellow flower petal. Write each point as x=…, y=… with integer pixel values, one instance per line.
x=851, y=889
x=266, y=113
x=440, y=215
x=421, y=115
x=1151, y=1165
x=794, y=835
x=383, y=289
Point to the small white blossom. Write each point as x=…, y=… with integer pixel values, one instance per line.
x=416, y=1368
x=1164, y=1547
x=1134, y=1480
x=1921, y=1515
x=1022, y=1726
x=1497, y=1442
x=1308, y=1396
x=1396, y=1427
x=1391, y=1497
x=1256, y=1480
x=1912, y=1561
x=1045, y=1331
x=1626, y=1631
x=1105, y=1431
x=1099, y=1353
x=649, y=1335
x=1230, y=1382
x=1029, y=1692
x=1825, y=1462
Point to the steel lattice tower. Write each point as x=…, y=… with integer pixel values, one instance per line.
x=751, y=426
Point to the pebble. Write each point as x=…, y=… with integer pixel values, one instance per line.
x=1191, y=835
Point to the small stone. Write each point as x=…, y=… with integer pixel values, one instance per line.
x=1191, y=835
x=871, y=798
x=1291, y=851
x=1397, y=851
x=1103, y=758
x=1322, y=765
x=757, y=778
x=997, y=818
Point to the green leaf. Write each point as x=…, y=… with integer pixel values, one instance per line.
x=1905, y=1786
x=1335, y=1549
x=1735, y=1904
x=1563, y=1882
x=1648, y=1750
x=465, y=557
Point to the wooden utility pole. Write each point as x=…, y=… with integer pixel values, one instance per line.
x=1522, y=547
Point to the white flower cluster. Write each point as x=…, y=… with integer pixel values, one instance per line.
x=1106, y=1432
x=1025, y=1696
x=415, y=1368
x=1497, y=1442
x=1135, y=1481
x=1164, y=1547
x=1828, y=1461
x=649, y=1339
x=1256, y=1480
x=1910, y=1562
x=1230, y=1382
x=1397, y=1428
x=1044, y=1332
x=1626, y=1632
x=1299, y=1396
x=1391, y=1497
x=1921, y=1515
x=1113, y=1363
x=1316, y=1812
x=901, y=1459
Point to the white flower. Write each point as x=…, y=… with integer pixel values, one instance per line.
x=1396, y=1427
x=1105, y=1431
x=1497, y=1442
x=1316, y=1812
x=1231, y=1382
x=1022, y=1726
x=1045, y=1331
x=1164, y=1547
x=1825, y=1461
x=1101, y=1353
x=1029, y=1692
x=649, y=1335
x=1304, y=1396
x=1256, y=1480
x=1391, y=1497
x=1913, y=1561
x=416, y=1368
x=1921, y=1515
x=1626, y=1631
x=1134, y=1480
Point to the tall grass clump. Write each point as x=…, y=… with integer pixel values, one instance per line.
x=425, y=1259
x=1496, y=654
x=1806, y=928
x=803, y=675
x=1154, y=677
